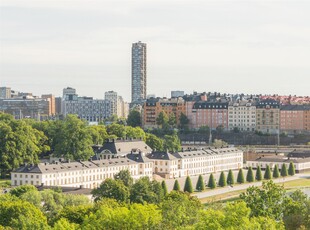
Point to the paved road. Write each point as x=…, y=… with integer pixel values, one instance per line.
x=236, y=187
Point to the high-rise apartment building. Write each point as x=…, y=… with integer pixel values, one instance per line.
x=5, y=93
x=86, y=108
x=138, y=73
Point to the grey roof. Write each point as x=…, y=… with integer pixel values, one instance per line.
x=283, y=159
x=138, y=157
x=206, y=152
x=299, y=153
x=130, y=159
x=294, y=107
x=192, y=153
x=161, y=156
x=124, y=146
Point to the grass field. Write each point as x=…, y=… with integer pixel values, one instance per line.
x=231, y=196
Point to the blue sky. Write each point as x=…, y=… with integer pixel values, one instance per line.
x=225, y=46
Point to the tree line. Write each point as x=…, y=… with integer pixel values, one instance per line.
x=27, y=140
x=230, y=181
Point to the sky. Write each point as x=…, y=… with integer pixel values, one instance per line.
x=255, y=47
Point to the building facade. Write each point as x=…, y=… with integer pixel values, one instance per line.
x=196, y=162
x=138, y=73
x=86, y=108
x=211, y=114
x=154, y=106
x=242, y=115
x=268, y=116
x=88, y=174
x=5, y=92
x=36, y=108
x=292, y=118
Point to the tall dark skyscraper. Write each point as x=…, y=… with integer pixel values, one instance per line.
x=138, y=72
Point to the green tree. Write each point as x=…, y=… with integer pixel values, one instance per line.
x=125, y=177
x=284, y=171
x=230, y=178
x=276, y=172
x=258, y=175
x=162, y=120
x=135, y=133
x=180, y=210
x=98, y=134
x=240, y=177
x=188, y=187
x=200, y=186
x=164, y=187
x=22, y=189
x=176, y=186
x=75, y=214
x=172, y=143
x=19, y=143
x=172, y=120
x=134, y=118
x=268, y=201
x=204, y=129
x=145, y=190
x=267, y=174
x=220, y=129
x=21, y=215
x=183, y=121
x=133, y=216
x=211, y=183
x=297, y=210
x=250, y=175
x=222, y=180
x=291, y=169
x=75, y=141
x=110, y=188
x=64, y=224
x=154, y=142
x=234, y=216
x=117, y=130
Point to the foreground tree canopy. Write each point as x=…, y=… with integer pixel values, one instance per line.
x=149, y=207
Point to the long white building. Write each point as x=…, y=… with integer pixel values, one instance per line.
x=87, y=174
x=133, y=155
x=196, y=162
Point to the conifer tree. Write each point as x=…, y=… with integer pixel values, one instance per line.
x=200, y=186
x=258, y=175
x=164, y=187
x=291, y=169
x=275, y=172
x=284, y=172
x=230, y=178
x=176, y=186
x=250, y=175
x=267, y=174
x=211, y=183
x=222, y=180
x=188, y=187
x=240, y=178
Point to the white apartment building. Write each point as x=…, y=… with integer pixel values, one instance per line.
x=196, y=162
x=118, y=106
x=242, y=115
x=87, y=174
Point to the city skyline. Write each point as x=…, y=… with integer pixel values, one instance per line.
x=223, y=46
